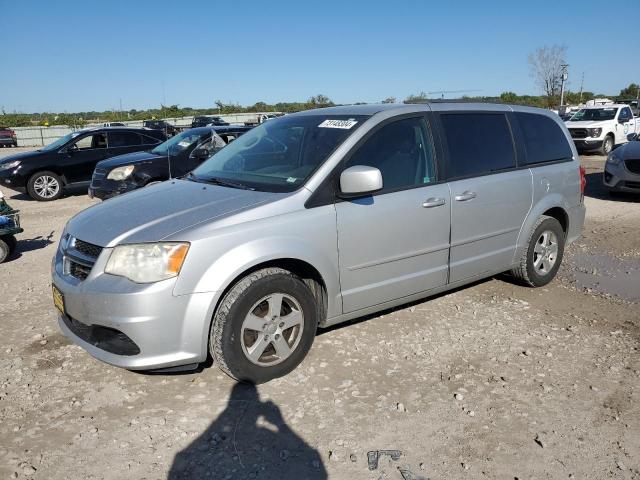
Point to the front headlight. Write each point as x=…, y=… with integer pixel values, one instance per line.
x=121, y=173
x=147, y=262
x=9, y=165
x=613, y=159
x=594, y=132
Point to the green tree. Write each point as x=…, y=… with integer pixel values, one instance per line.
x=632, y=91
x=416, y=98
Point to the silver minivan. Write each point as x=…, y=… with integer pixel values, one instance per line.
x=312, y=219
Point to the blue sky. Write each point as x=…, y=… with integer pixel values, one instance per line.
x=89, y=55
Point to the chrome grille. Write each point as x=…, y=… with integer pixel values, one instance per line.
x=80, y=257
x=88, y=248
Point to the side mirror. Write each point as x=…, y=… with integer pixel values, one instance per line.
x=360, y=180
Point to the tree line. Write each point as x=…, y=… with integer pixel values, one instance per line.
x=547, y=100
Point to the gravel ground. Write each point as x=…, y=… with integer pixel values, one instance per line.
x=489, y=381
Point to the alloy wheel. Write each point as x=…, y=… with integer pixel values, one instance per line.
x=272, y=329
x=545, y=253
x=46, y=186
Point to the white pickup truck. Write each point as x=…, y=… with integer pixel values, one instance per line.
x=602, y=127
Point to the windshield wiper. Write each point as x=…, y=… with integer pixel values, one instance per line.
x=221, y=181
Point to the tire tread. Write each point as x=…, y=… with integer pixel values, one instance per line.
x=221, y=317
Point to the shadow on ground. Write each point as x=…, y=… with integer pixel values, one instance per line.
x=24, y=245
x=68, y=192
x=249, y=439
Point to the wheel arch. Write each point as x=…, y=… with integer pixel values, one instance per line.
x=554, y=205
x=48, y=168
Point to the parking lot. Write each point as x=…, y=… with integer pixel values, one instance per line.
x=489, y=381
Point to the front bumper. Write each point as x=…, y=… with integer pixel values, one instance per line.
x=8, y=141
x=13, y=180
x=619, y=179
x=105, y=189
x=588, y=144
x=129, y=325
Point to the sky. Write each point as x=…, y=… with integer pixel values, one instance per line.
x=69, y=56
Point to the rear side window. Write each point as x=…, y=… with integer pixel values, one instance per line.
x=544, y=140
x=123, y=139
x=478, y=143
x=149, y=140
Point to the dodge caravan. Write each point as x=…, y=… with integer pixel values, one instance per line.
x=312, y=219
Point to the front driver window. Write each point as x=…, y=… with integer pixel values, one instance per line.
x=402, y=151
x=97, y=140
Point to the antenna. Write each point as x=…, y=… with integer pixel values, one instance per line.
x=169, y=161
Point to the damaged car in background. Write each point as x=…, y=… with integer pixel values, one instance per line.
x=622, y=169
x=173, y=158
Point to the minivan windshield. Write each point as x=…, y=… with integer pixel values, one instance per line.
x=279, y=155
x=594, y=114
x=179, y=143
x=60, y=142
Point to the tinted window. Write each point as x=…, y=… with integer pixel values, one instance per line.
x=402, y=151
x=478, y=143
x=149, y=140
x=123, y=139
x=544, y=140
x=98, y=140
x=625, y=114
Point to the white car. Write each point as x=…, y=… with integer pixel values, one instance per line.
x=602, y=127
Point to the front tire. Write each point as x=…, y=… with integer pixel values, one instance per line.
x=45, y=186
x=264, y=326
x=607, y=145
x=542, y=259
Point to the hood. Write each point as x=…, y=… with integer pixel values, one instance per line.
x=127, y=159
x=22, y=156
x=155, y=213
x=629, y=151
x=587, y=123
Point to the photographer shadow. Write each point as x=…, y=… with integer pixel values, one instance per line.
x=249, y=439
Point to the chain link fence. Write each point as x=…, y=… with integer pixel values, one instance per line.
x=40, y=136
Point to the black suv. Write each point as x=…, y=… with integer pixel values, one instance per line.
x=165, y=127
x=70, y=160
x=204, y=120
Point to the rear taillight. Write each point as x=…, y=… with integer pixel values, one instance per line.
x=583, y=181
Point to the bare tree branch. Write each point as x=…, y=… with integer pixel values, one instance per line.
x=546, y=69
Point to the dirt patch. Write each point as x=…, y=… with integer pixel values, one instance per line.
x=490, y=381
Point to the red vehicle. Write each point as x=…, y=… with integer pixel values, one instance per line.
x=8, y=137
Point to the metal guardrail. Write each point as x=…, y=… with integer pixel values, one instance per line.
x=40, y=136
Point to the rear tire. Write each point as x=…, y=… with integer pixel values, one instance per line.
x=607, y=145
x=541, y=261
x=264, y=326
x=5, y=249
x=45, y=186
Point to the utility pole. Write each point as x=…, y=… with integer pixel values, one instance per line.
x=563, y=79
x=581, y=85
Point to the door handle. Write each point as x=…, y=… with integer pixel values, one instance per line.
x=464, y=196
x=433, y=202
